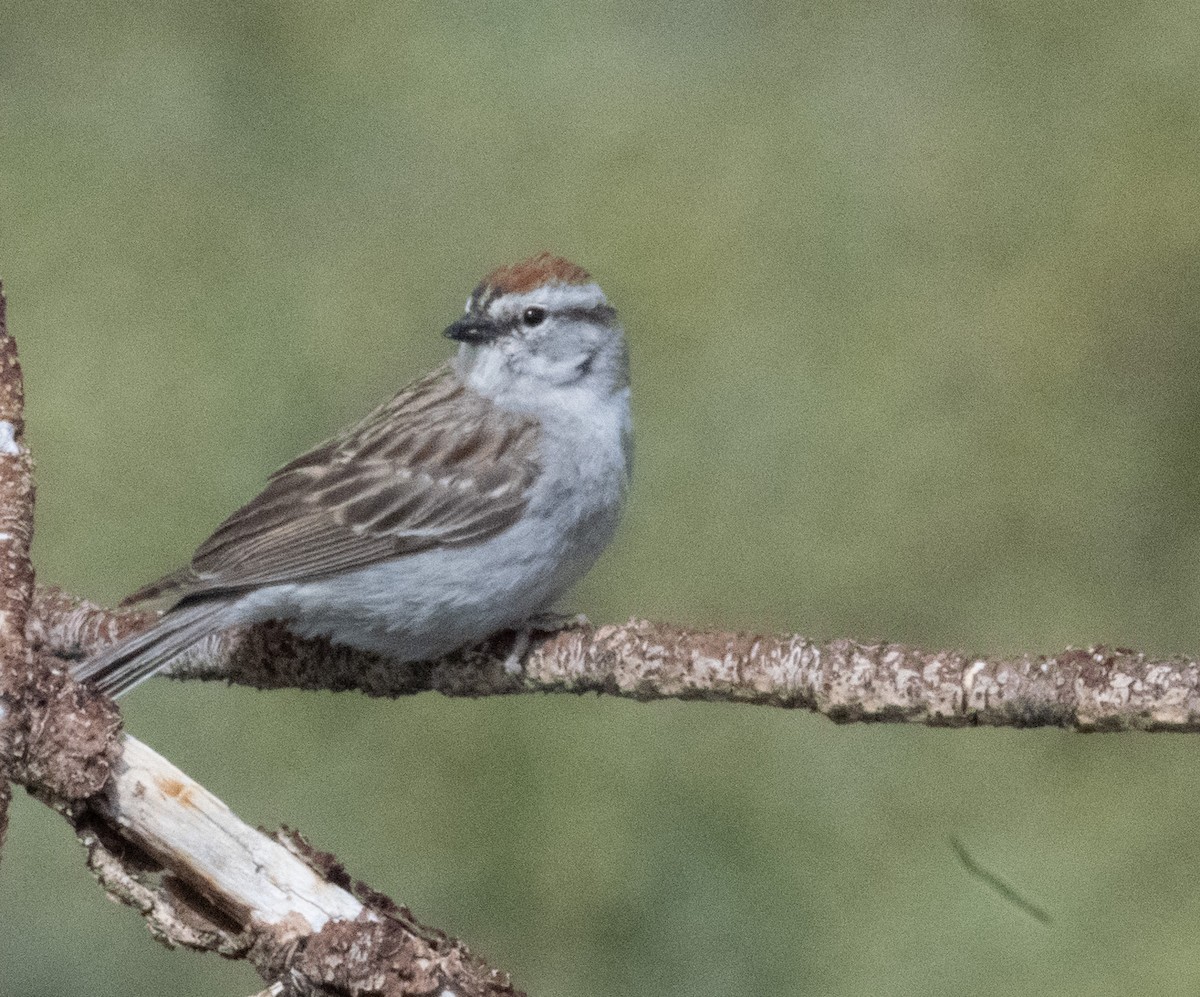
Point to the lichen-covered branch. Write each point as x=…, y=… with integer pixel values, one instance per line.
x=16, y=571
x=159, y=841
x=203, y=879
x=1088, y=690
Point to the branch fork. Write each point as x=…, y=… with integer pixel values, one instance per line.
x=203, y=879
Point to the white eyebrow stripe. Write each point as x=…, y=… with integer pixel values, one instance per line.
x=555, y=297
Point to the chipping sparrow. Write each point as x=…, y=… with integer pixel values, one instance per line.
x=463, y=506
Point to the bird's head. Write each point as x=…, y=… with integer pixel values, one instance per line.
x=540, y=326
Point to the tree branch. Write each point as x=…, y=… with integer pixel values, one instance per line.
x=1088, y=690
x=203, y=879
x=163, y=844
x=16, y=571
x=159, y=841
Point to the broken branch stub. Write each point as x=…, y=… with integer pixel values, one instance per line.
x=203, y=879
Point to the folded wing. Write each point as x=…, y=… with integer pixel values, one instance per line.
x=437, y=466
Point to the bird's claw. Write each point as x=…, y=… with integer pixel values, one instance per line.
x=539, y=623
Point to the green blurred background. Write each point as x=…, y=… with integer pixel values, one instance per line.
x=913, y=304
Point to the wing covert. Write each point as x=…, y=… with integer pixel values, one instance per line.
x=437, y=466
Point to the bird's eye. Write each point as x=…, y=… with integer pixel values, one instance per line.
x=534, y=316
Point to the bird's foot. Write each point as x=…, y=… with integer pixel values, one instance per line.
x=539, y=623
x=552, y=623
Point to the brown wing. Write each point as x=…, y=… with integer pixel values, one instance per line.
x=438, y=465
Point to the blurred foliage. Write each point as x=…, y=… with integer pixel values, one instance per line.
x=914, y=312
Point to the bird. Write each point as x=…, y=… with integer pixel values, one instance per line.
x=464, y=506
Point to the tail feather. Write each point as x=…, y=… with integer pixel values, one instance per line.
x=119, y=668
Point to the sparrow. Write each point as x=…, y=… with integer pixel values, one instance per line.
x=464, y=506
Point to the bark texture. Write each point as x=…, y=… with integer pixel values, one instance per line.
x=16, y=571
x=203, y=879
x=157, y=840
x=1093, y=689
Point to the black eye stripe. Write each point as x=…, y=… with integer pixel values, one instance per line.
x=602, y=314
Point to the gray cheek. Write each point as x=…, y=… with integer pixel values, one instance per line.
x=515, y=352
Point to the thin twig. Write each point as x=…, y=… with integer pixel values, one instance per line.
x=995, y=883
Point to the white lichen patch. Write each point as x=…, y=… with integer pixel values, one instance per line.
x=862, y=669
x=1160, y=675
x=8, y=439
x=932, y=672
x=791, y=664
x=970, y=675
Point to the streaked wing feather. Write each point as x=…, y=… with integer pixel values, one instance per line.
x=436, y=466
x=176, y=582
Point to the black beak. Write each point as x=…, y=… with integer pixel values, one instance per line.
x=473, y=329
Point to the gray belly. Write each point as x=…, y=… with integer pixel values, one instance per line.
x=425, y=605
